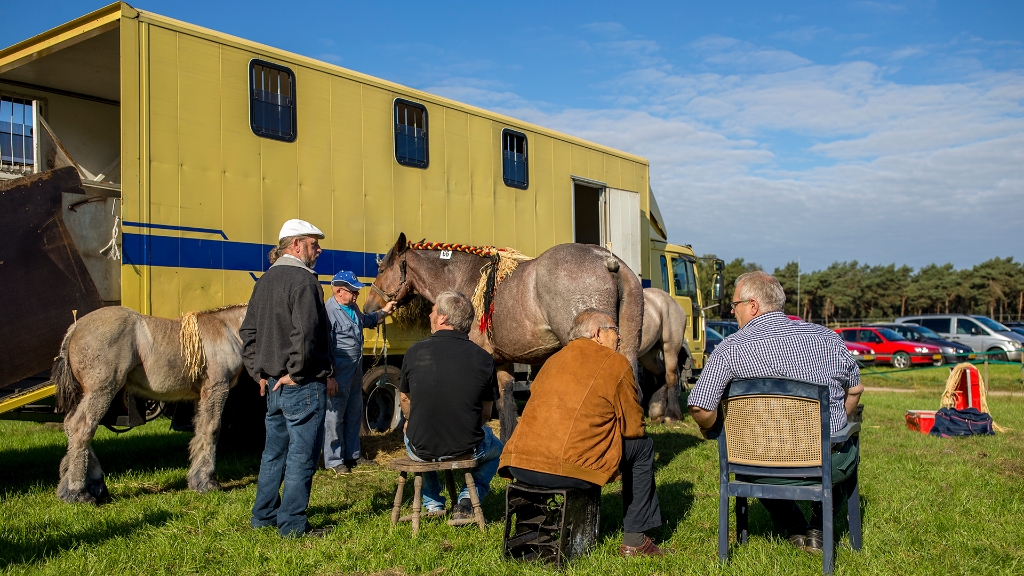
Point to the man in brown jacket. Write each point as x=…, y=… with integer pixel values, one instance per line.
x=583, y=426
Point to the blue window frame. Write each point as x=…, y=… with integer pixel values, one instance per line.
x=513, y=158
x=17, y=118
x=411, y=134
x=272, y=101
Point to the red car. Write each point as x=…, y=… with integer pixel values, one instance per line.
x=861, y=353
x=891, y=347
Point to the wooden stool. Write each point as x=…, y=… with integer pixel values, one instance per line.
x=405, y=465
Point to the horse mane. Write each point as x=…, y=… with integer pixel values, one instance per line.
x=502, y=262
x=191, y=341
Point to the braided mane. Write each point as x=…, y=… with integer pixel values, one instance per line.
x=502, y=262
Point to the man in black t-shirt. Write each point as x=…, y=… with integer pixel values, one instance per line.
x=446, y=387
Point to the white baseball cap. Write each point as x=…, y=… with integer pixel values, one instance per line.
x=296, y=227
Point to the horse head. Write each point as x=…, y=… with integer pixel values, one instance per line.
x=392, y=281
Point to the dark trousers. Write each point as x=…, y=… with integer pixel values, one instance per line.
x=786, y=516
x=639, y=494
x=295, y=436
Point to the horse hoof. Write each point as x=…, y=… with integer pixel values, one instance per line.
x=76, y=497
x=98, y=490
x=204, y=486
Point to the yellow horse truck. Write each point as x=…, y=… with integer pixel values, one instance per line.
x=149, y=163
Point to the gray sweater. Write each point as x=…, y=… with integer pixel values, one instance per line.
x=286, y=329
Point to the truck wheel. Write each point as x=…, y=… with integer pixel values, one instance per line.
x=997, y=355
x=901, y=360
x=381, y=409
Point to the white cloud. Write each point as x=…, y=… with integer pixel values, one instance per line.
x=782, y=157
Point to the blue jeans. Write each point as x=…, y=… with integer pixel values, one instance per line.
x=295, y=435
x=487, y=453
x=341, y=424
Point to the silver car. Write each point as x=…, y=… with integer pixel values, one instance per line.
x=981, y=333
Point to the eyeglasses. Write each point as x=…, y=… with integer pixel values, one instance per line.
x=615, y=328
x=738, y=302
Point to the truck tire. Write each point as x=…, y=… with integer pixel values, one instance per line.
x=381, y=409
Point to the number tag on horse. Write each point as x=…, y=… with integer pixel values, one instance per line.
x=446, y=254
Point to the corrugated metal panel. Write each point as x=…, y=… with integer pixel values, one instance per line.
x=347, y=164
x=542, y=181
x=459, y=184
x=481, y=166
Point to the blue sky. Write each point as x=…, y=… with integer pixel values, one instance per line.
x=872, y=131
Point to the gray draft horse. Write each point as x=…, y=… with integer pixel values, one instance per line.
x=195, y=357
x=662, y=348
x=533, y=307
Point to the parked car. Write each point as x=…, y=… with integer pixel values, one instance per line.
x=711, y=339
x=864, y=355
x=952, y=352
x=891, y=347
x=724, y=327
x=1017, y=327
x=981, y=333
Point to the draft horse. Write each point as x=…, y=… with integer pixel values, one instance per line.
x=662, y=350
x=195, y=357
x=525, y=314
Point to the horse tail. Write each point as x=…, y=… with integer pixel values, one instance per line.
x=631, y=314
x=69, y=391
x=191, y=343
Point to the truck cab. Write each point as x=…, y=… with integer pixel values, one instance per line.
x=676, y=273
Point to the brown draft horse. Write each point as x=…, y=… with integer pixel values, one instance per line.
x=195, y=357
x=533, y=308
x=662, y=349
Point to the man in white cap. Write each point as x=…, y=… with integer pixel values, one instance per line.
x=345, y=390
x=286, y=345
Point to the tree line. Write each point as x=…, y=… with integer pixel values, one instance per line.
x=852, y=291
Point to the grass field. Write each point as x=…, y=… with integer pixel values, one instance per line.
x=931, y=506
x=1005, y=377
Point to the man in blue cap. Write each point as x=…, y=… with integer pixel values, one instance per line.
x=345, y=390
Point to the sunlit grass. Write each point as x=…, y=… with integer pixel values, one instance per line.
x=1000, y=377
x=931, y=506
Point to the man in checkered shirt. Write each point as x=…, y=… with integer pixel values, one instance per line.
x=770, y=345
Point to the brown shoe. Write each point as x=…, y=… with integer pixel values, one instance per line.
x=648, y=548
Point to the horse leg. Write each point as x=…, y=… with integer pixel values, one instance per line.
x=202, y=476
x=508, y=413
x=655, y=366
x=81, y=478
x=673, y=412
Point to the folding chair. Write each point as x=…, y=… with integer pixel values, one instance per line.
x=779, y=428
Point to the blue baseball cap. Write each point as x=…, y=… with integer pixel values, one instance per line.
x=347, y=279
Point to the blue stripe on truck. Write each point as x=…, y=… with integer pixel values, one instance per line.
x=149, y=250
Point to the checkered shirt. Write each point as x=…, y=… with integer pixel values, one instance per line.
x=773, y=346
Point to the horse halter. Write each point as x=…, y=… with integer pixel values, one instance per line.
x=388, y=297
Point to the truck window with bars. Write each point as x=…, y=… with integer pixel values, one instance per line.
x=17, y=136
x=513, y=156
x=272, y=101
x=411, y=134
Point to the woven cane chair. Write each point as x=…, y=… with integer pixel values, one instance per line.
x=780, y=428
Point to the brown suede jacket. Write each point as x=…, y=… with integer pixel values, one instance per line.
x=582, y=404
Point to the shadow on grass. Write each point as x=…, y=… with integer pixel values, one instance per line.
x=669, y=443
x=135, y=451
x=675, y=498
x=41, y=549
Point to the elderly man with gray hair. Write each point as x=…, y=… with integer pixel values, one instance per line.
x=446, y=387
x=583, y=427
x=770, y=345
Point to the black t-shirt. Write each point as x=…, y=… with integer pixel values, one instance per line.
x=447, y=378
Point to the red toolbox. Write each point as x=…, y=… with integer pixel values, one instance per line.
x=920, y=420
